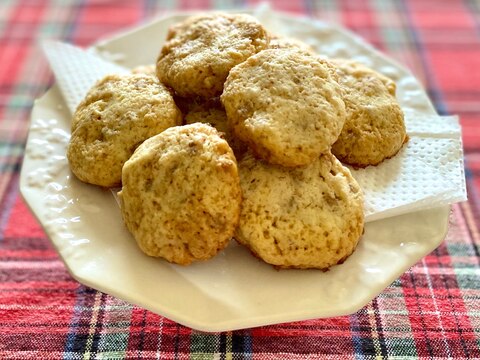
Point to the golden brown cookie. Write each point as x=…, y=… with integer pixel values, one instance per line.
x=200, y=52
x=118, y=113
x=309, y=217
x=285, y=105
x=145, y=69
x=212, y=113
x=285, y=42
x=181, y=194
x=374, y=129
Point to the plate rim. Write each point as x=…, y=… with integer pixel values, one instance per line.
x=226, y=324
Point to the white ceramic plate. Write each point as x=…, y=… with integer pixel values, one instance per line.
x=234, y=290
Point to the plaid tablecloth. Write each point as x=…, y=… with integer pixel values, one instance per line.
x=431, y=311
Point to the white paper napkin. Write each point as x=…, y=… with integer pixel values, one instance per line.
x=76, y=70
x=427, y=172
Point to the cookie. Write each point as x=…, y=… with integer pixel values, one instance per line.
x=145, y=69
x=374, y=129
x=284, y=42
x=118, y=113
x=285, y=105
x=200, y=52
x=181, y=194
x=309, y=217
x=187, y=104
x=212, y=113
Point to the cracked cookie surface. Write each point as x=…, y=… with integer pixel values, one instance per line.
x=181, y=194
x=200, y=52
x=285, y=105
x=374, y=129
x=118, y=113
x=309, y=217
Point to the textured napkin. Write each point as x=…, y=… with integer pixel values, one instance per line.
x=76, y=70
x=426, y=173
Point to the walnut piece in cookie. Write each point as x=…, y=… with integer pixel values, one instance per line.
x=181, y=194
x=118, y=113
x=285, y=105
x=308, y=217
x=374, y=129
x=200, y=51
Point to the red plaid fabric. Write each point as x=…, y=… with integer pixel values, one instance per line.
x=431, y=312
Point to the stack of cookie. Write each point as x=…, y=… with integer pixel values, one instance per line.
x=254, y=155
